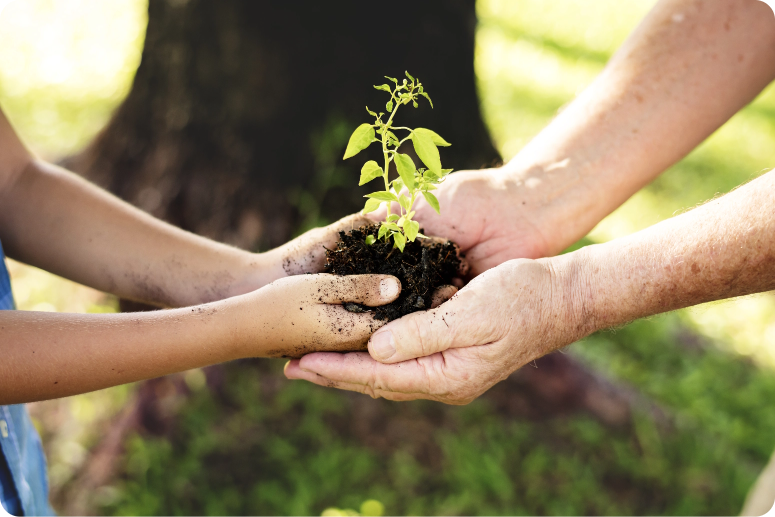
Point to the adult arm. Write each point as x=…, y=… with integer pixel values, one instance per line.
x=55, y=220
x=48, y=355
x=688, y=67
x=523, y=309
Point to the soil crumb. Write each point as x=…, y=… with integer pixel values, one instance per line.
x=424, y=265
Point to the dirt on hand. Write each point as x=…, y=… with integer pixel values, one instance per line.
x=423, y=266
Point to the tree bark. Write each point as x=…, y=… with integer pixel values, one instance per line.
x=240, y=111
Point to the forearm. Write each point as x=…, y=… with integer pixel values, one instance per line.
x=722, y=249
x=55, y=220
x=49, y=355
x=684, y=71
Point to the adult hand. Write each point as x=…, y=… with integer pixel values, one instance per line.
x=491, y=215
x=501, y=320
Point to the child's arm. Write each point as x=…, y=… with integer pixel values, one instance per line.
x=49, y=355
x=55, y=220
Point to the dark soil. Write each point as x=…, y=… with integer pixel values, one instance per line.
x=424, y=265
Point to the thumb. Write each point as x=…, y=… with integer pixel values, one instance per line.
x=370, y=290
x=416, y=335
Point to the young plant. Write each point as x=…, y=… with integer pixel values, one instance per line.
x=412, y=181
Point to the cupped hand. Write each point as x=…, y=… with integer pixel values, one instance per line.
x=501, y=320
x=307, y=252
x=297, y=315
x=489, y=214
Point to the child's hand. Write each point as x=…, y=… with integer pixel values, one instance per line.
x=302, y=314
x=306, y=253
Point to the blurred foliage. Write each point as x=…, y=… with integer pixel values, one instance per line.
x=259, y=445
x=69, y=427
x=59, y=84
x=65, y=66
x=532, y=58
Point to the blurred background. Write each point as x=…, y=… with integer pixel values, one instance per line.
x=233, y=126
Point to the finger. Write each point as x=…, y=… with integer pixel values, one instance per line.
x=330, y=328
x=365, y=390
x=442, y=294
x=459, y=322
x=361, y=373
x=415, y=335
x=371, y=290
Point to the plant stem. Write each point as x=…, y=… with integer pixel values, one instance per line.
x=385, y=130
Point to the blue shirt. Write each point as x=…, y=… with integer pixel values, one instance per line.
x=23, y=482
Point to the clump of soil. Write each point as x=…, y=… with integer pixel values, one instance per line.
x=424, y=265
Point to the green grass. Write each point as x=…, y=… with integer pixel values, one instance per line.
x=267, y=447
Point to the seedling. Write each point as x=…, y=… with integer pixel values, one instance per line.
x=411, y=181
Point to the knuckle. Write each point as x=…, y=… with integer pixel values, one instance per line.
x=423, y=336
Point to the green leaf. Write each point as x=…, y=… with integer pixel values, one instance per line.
x=359, y=140
x=383, y=87
x=389, y=106
x=370, y=239
x=440, y=142
x=411, y=228
x=401, y=221
x=393, y=218
x=444, y=172
x=370, y=112
x=404, y=202
x=391, y=226
x=392, y=79
x=382, y=196
x=370, y=170
x=431, y=176
x=427, y=97
x=382, y=231
x=400, y=241
x=426, y=149
x=409, y=76
x=398, y=185
x=371, y=205
x=414, y=103
x=433, y=201
x=406, y=169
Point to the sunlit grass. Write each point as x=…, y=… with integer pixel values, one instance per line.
x=64, y=67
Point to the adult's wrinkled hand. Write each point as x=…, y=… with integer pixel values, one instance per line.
x=490, y=215
x=500, y=321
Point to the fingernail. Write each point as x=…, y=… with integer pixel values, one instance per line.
x=389, y=288
x=383, y=346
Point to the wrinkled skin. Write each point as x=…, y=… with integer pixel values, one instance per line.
x=454, y=353
x=486, y=213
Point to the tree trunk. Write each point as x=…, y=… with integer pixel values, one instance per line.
x=240, y=111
